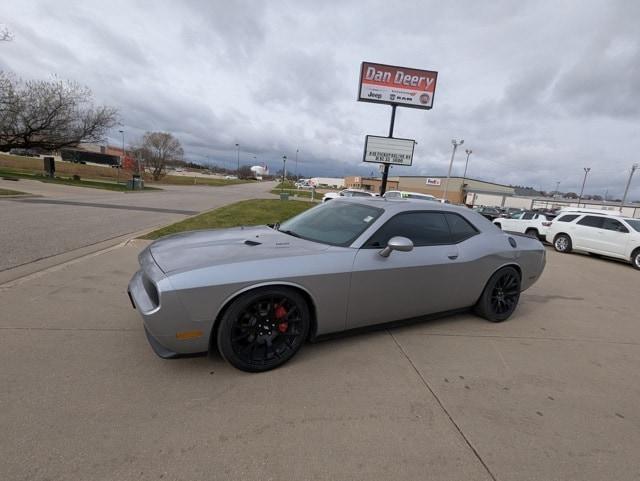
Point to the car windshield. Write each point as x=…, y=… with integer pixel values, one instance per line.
x=334, y=223
x=635, y=223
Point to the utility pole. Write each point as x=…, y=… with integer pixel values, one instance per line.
x=626, y=189
x=557, y=187
x=297, y=150
x=584, y=181
x=455, y=144
x=238, y=149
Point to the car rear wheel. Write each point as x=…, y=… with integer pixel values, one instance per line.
x=498, y=224
x=562, y=243
x=263, y=329
x=531, y=233
x=500, y=296
x=635, y=259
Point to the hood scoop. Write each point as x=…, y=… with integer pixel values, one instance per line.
x=252, y=243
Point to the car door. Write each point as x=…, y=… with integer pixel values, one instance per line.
x=587, y=233
x=404, y=284
x=614, y=237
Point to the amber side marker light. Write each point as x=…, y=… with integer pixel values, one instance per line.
x=188, y=335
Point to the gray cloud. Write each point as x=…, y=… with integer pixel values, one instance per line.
x=538, y=90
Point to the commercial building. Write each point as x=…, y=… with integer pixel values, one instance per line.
x=370, y=184
x=457, y=189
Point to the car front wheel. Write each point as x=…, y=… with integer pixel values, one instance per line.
x=562, y=243
x=264, y=328
x=635, y=259
x=500, y=296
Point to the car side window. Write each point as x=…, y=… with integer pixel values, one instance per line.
x=612, y=224
x=461, y=228
x=422, y=228
x=568, y=218
x=392, y=195
x=527, y=216
x=591, y=221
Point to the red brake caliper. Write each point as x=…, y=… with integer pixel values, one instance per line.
x=281, y=313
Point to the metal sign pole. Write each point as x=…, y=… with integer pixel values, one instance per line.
x=385, y=174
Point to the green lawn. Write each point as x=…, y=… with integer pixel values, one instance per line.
x=94, y=184
x=247, y=212
x=11, y=192
x=297, y=193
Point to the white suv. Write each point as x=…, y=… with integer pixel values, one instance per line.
x=597, y=232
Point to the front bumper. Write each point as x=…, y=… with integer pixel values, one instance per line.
x=163, y=314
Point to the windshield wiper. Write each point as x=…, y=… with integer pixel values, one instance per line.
x=290, y=232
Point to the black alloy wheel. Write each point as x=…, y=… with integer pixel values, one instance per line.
x=263, y=329
x=500, y=296
x=635, y=259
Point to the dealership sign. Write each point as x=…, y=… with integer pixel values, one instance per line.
x=387, y=150
x=433, y=181
x=406, y=87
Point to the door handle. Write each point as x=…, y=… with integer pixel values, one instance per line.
x=452, y=256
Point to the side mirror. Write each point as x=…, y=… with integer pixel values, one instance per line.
x=397, y=243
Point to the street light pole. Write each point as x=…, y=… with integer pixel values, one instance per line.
x=238, y=149
x=584, y=181
x=557, y=187
x=297, y=150
x=466, y=164
x=626, y=189
x=122, y=162
x=455, y=144
x=284, y=169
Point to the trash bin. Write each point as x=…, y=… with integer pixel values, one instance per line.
x=284, y=196
x=49, y=166
x=136, y=182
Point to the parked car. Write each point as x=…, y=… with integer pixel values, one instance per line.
x=258, y=293
x=597, y=232
x=347, y=193
x=532, y=224
x=401, y=194
x=488, y=212
x=230, y=177
x=511, y=212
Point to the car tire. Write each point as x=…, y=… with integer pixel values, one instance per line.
x=635, y=258
x=264, y=328
x=562, y=243
x=498, y=224
x=500, y=296
x=532, y=233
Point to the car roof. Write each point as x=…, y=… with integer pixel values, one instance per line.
x=401, y=205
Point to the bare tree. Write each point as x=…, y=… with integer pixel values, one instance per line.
x=49, y=114
x=5, y=34
x=158, y=149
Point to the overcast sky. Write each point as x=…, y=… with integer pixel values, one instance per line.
x=538, y=90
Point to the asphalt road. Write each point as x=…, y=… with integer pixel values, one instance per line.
x=65, y=218
x=551, y=394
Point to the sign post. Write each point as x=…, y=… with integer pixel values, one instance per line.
x=395, y=86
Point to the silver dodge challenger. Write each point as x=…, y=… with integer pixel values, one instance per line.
x=258, y=293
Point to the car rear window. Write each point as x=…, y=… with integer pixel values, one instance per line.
x=568, y=217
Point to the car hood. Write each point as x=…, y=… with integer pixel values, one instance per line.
x=195, y=249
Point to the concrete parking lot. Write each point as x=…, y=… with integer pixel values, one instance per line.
x=60, y=219
x=551, y=394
